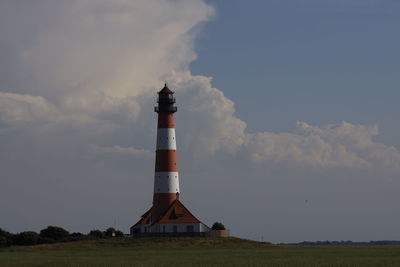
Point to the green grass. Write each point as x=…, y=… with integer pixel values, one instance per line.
x=196, y=252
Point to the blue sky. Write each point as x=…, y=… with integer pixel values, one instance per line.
x=315, y=61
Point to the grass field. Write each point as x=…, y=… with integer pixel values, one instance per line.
x=196, y=252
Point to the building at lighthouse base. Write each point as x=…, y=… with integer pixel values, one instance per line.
x=176, y=221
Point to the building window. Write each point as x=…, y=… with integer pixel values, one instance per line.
x=163, y=228
x=190, y=228
x=175, y=228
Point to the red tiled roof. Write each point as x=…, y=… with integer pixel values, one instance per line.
x=145, y=218
x=178, y=213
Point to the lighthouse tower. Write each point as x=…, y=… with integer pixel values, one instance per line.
x=167, y=216
x=166, y=178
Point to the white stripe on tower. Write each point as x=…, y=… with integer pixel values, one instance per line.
x=166, y=182
x=166, y=139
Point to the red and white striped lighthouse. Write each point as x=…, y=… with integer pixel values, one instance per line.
x=166, y=178
x=167, y=216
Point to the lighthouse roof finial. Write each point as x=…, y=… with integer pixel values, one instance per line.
x=166, y=90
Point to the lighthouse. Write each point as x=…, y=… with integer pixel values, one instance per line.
x=167, y=216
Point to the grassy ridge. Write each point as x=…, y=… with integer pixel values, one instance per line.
x=196, y=252
x=149, y=243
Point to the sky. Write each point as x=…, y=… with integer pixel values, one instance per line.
x=286, y=124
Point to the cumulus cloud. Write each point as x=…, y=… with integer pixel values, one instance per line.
x=95, y=57
x=100, y=70
x=344, y=145
x=209, y=121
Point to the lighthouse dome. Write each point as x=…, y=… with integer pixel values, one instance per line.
x=166, y=90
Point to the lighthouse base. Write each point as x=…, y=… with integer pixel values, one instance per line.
x=177, y=220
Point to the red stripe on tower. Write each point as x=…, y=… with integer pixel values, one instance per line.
x=166, y=179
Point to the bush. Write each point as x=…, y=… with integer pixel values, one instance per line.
x=77, y=236
x=218, y=226
x=109, y=232
x=96, y=234
x=54, y=233
x=119, y=233
x=26, y=238
x=3, y=241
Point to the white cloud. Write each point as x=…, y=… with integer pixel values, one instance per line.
x=100, y=69
x=344, y=145
x=131, y=151
x=208, y=116
x=100, y=61
x=23, y=108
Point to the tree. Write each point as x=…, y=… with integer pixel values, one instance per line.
x=96, y=233
x=109, y=232
x=54, y=233
x=28, y=238
x=6, y=238
x=119, y=233
x=218, y=226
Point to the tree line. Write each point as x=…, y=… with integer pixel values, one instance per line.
x=50, y=235
x=55, y=234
